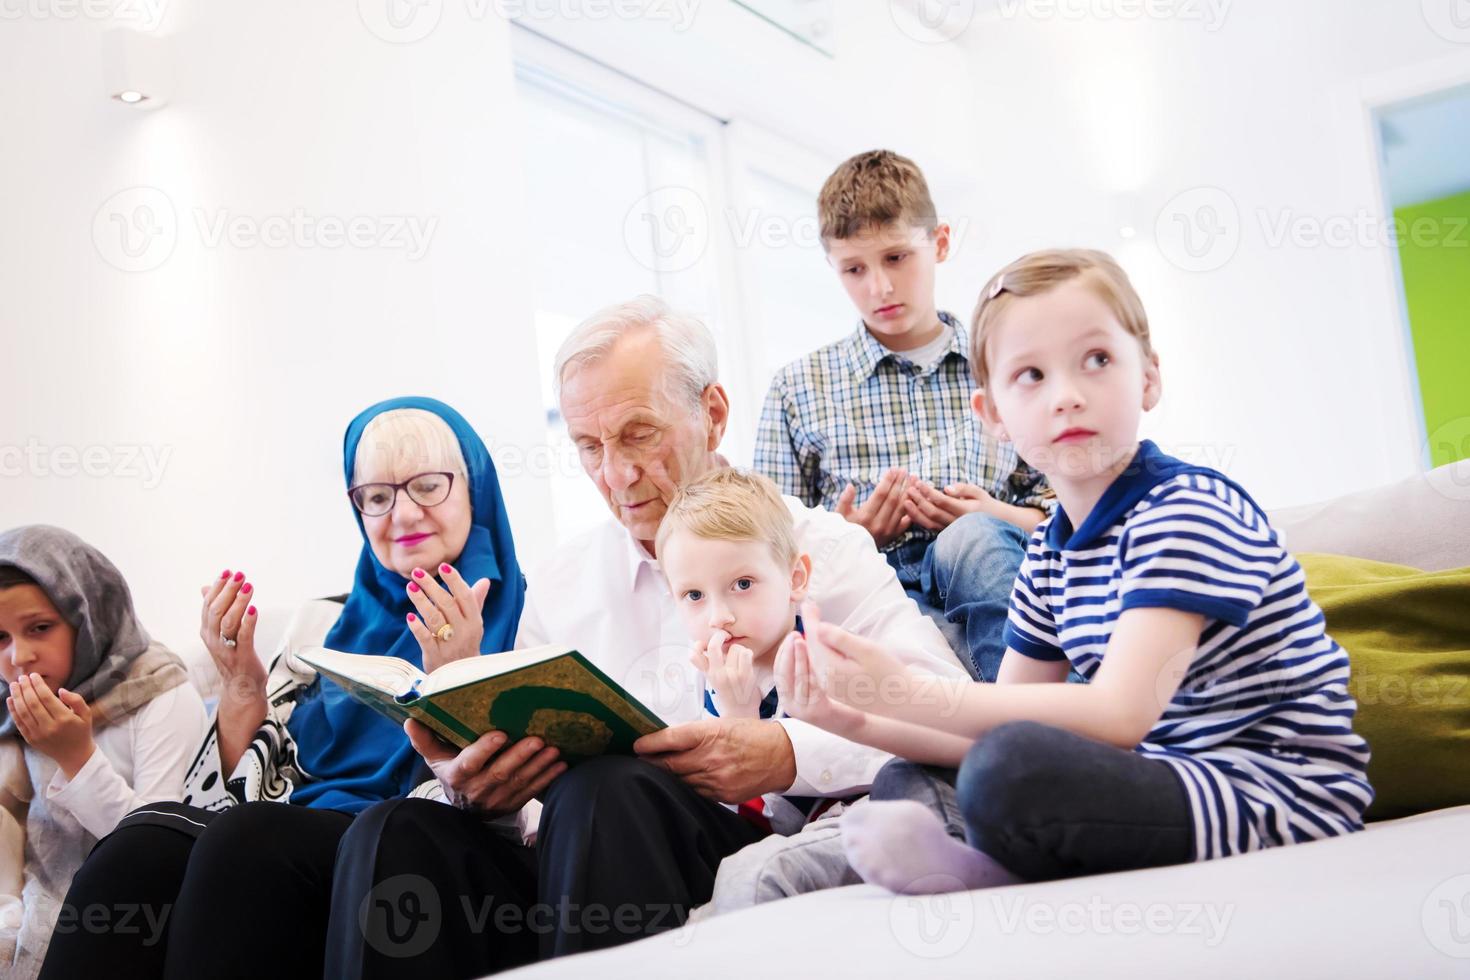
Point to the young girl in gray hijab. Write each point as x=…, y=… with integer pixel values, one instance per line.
x=97, y=720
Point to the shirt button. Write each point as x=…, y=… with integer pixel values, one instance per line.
x=826, y=775
x=928, y=439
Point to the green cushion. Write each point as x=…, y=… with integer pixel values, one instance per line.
x=1407, y=636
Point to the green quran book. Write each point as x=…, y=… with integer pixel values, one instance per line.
x=551, y=692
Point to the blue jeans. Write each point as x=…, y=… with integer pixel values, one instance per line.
x=963, y=580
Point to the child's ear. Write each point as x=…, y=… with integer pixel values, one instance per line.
x=985, y=408
x=1153, y=383
x=801, y=577
x=941, y=242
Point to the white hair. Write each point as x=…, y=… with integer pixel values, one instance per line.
x=410, y=439
x=690, y=357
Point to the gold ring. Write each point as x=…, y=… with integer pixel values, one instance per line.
x=445, y=632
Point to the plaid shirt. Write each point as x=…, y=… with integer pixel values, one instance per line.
x=849, y=411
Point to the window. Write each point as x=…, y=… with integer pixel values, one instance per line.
x=632, y=191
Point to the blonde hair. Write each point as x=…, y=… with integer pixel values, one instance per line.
x=872, y=190
x=1039, y=272
x=691, y=360
x=732, y=505
x=411, y=439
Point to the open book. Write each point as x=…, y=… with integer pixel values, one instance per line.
x=551, y=692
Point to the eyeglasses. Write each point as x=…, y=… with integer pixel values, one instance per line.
x=377, y=499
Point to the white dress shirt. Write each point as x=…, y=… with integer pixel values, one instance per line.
x=139, y=759
x=603, y=594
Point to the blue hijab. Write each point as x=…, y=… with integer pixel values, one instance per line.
x=357, y=757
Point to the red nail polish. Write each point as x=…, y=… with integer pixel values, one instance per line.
x=445, y=569
x=250, y=611
x=224, y=575
x=239, y=576
x=249, y=587
x=413, y=586
x=418, y=573
x=412, y=618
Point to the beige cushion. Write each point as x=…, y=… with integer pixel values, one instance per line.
x=1422, y=522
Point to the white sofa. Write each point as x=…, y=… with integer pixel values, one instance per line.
x=1392, y=902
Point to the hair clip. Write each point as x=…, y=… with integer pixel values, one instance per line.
x=998, y=286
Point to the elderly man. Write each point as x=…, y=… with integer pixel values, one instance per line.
x=624, y=846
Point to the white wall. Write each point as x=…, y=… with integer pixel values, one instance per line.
x=240, y=366
x=244, y=364
x=1285, y=365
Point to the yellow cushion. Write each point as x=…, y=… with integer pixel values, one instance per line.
x=1407, y=636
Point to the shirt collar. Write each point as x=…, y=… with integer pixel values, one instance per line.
x=865, y=352
x=637, y=555
x=1149, y=467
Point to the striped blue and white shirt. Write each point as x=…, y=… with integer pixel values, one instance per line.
x=1260, y=730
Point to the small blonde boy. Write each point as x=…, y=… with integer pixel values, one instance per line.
x=729, y=552
x=728, y=548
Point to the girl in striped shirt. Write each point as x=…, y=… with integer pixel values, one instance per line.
x=1215, y=719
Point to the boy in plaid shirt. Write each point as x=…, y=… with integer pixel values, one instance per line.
x=878, y=427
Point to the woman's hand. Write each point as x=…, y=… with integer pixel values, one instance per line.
x=59, y=728
x=802, y=696
x=731, y=673
x=227, y=627
x=448, y=625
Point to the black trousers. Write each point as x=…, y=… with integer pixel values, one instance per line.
x=624, y=850
x=1047, y=803
x=235, y=893
x=408, y=888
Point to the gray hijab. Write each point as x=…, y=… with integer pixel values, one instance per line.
x=90, y=594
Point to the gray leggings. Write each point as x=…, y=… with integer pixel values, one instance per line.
x=1047, y=803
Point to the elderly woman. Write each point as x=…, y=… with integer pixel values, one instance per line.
x=243, y=869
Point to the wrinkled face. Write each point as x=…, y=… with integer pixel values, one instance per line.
x=411, y=535
x=638, y=441
x=889, y=276
x=735, y=586
x=34, y=639
x=1068, y=384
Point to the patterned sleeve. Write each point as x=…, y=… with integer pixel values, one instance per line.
x=1028, y=488
x=268, y=769
x=1031, y=628
x=776, y=452
x=1199, y=547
